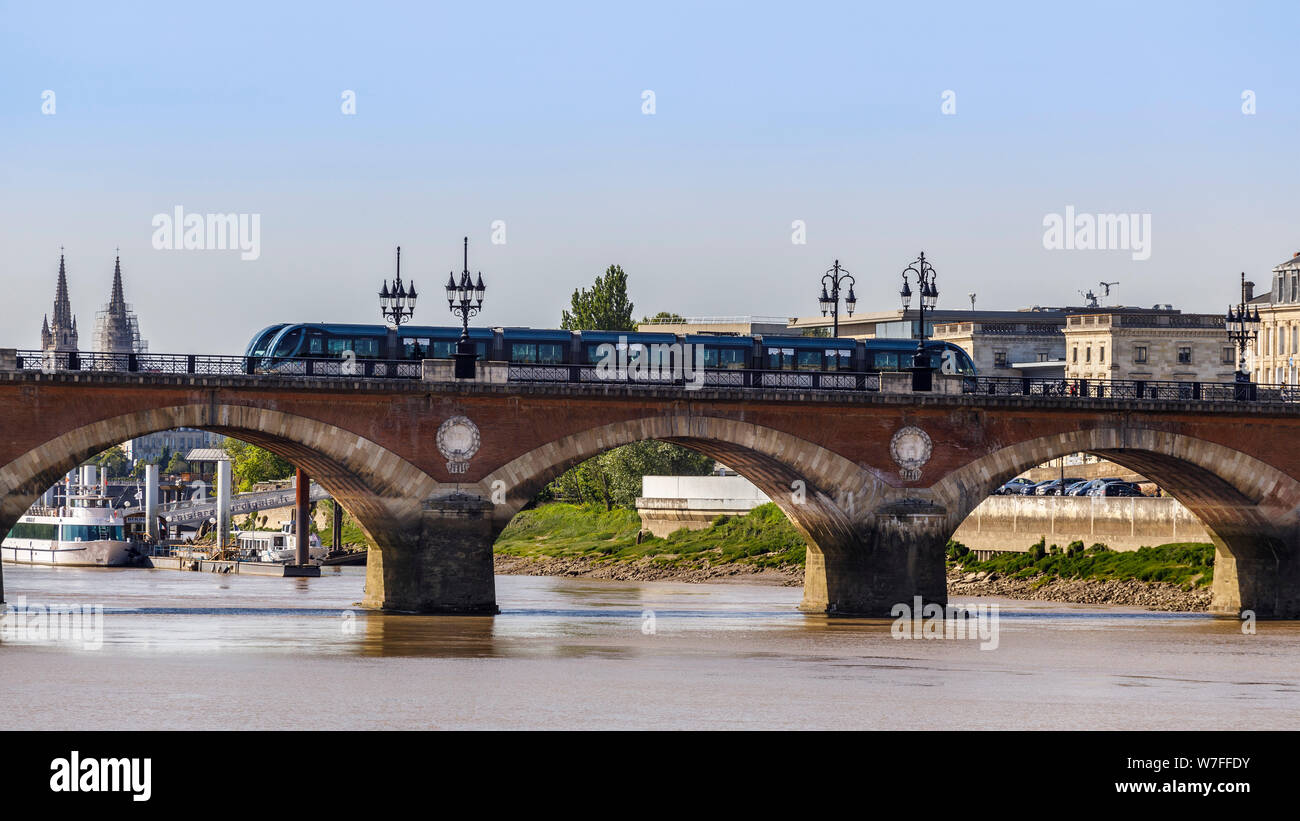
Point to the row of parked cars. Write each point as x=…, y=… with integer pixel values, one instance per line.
x=1072, y=487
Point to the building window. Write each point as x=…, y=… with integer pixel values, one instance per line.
x=1075, y=355
x=1140, y=354
x=1184, y=356
x=1101, y=354
x=1295, y=288
x=1044, y=356
x=1087, y=354
x=999, y=359
x=1229, y=356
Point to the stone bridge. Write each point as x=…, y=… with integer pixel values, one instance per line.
x=433, y=469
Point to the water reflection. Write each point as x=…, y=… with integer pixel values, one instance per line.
x=582, y=653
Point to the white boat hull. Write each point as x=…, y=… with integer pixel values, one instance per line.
x=68, y=554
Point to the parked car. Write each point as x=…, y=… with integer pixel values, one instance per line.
x=1052, y=487
x=1012, y=487
x=1085, y=488
x=1117, y=489
x=1028, y=490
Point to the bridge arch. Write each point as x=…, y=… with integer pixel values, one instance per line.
x=824, y=495
x=1251, y=509
x=380, y=489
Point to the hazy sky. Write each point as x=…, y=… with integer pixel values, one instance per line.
x=532, y=114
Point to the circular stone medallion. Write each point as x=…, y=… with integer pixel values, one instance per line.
x=458, y=441
x=911, y=448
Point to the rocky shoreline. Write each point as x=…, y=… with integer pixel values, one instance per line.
x=647, y=570
x=1128, y=592
x=1151, y=595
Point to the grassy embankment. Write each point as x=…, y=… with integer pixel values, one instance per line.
x=765, y=538
x=1189, y=565
x=762, y=538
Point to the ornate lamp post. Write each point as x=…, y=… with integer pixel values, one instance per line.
x=397, y=304
x=830, y=301
x=1242, y=325
x=466, y=299
x=929, y=295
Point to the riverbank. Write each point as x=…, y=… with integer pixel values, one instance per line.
x=764, y=548
x=1129, y=592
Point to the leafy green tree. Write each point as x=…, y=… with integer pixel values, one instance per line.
x=603, y=308
x=113, y=462
x=250, y=464
x=613, y=479
x=663, y=318
x=176, y=464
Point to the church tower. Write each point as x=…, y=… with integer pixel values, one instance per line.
x=116, y=328
x=61, y=335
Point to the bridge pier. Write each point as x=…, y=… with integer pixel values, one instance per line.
x=893, y=560
x=442, y=564
x=1260, y=575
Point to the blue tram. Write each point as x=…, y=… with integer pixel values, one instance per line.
x=533, y=346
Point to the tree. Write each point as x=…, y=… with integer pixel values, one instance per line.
x=176, y=464
x=613, y=478
x=663, y=318
x=603, y=308
x=113, y=462
x=250, y=464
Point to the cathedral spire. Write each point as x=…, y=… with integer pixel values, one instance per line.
x=116, y=301
x=116, y=328
x=62, y=305
x=60, y=332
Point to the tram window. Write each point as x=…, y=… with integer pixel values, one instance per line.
x=839, y=360
x=336, y=345
x=809, y=360
x=885, y=361
x=443, y=349
x=415, y=347
x=288, y=343
x=365, y=348
x=727, y=358
x=546, y=353
x=780, y=359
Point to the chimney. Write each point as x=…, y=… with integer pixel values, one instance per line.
x=1250, y=290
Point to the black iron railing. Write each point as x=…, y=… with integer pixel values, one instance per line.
x=201, y=365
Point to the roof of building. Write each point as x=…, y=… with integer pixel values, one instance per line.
x=207, y=455
x=1290, y=264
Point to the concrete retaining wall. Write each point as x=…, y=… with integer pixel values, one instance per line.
x=670, y=503
x=1013, y=523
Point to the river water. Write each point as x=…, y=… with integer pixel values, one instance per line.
x=197, y=650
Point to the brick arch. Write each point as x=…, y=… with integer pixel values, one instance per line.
x=374, y=484
x=836, y=490
x=1250, y=508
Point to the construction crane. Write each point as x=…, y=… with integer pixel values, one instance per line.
x=1107, y=285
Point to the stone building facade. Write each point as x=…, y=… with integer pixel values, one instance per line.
x=1275, y=356
x=1164, y=345
x=1032, y=345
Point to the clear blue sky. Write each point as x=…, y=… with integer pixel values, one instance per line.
x=469, y=113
